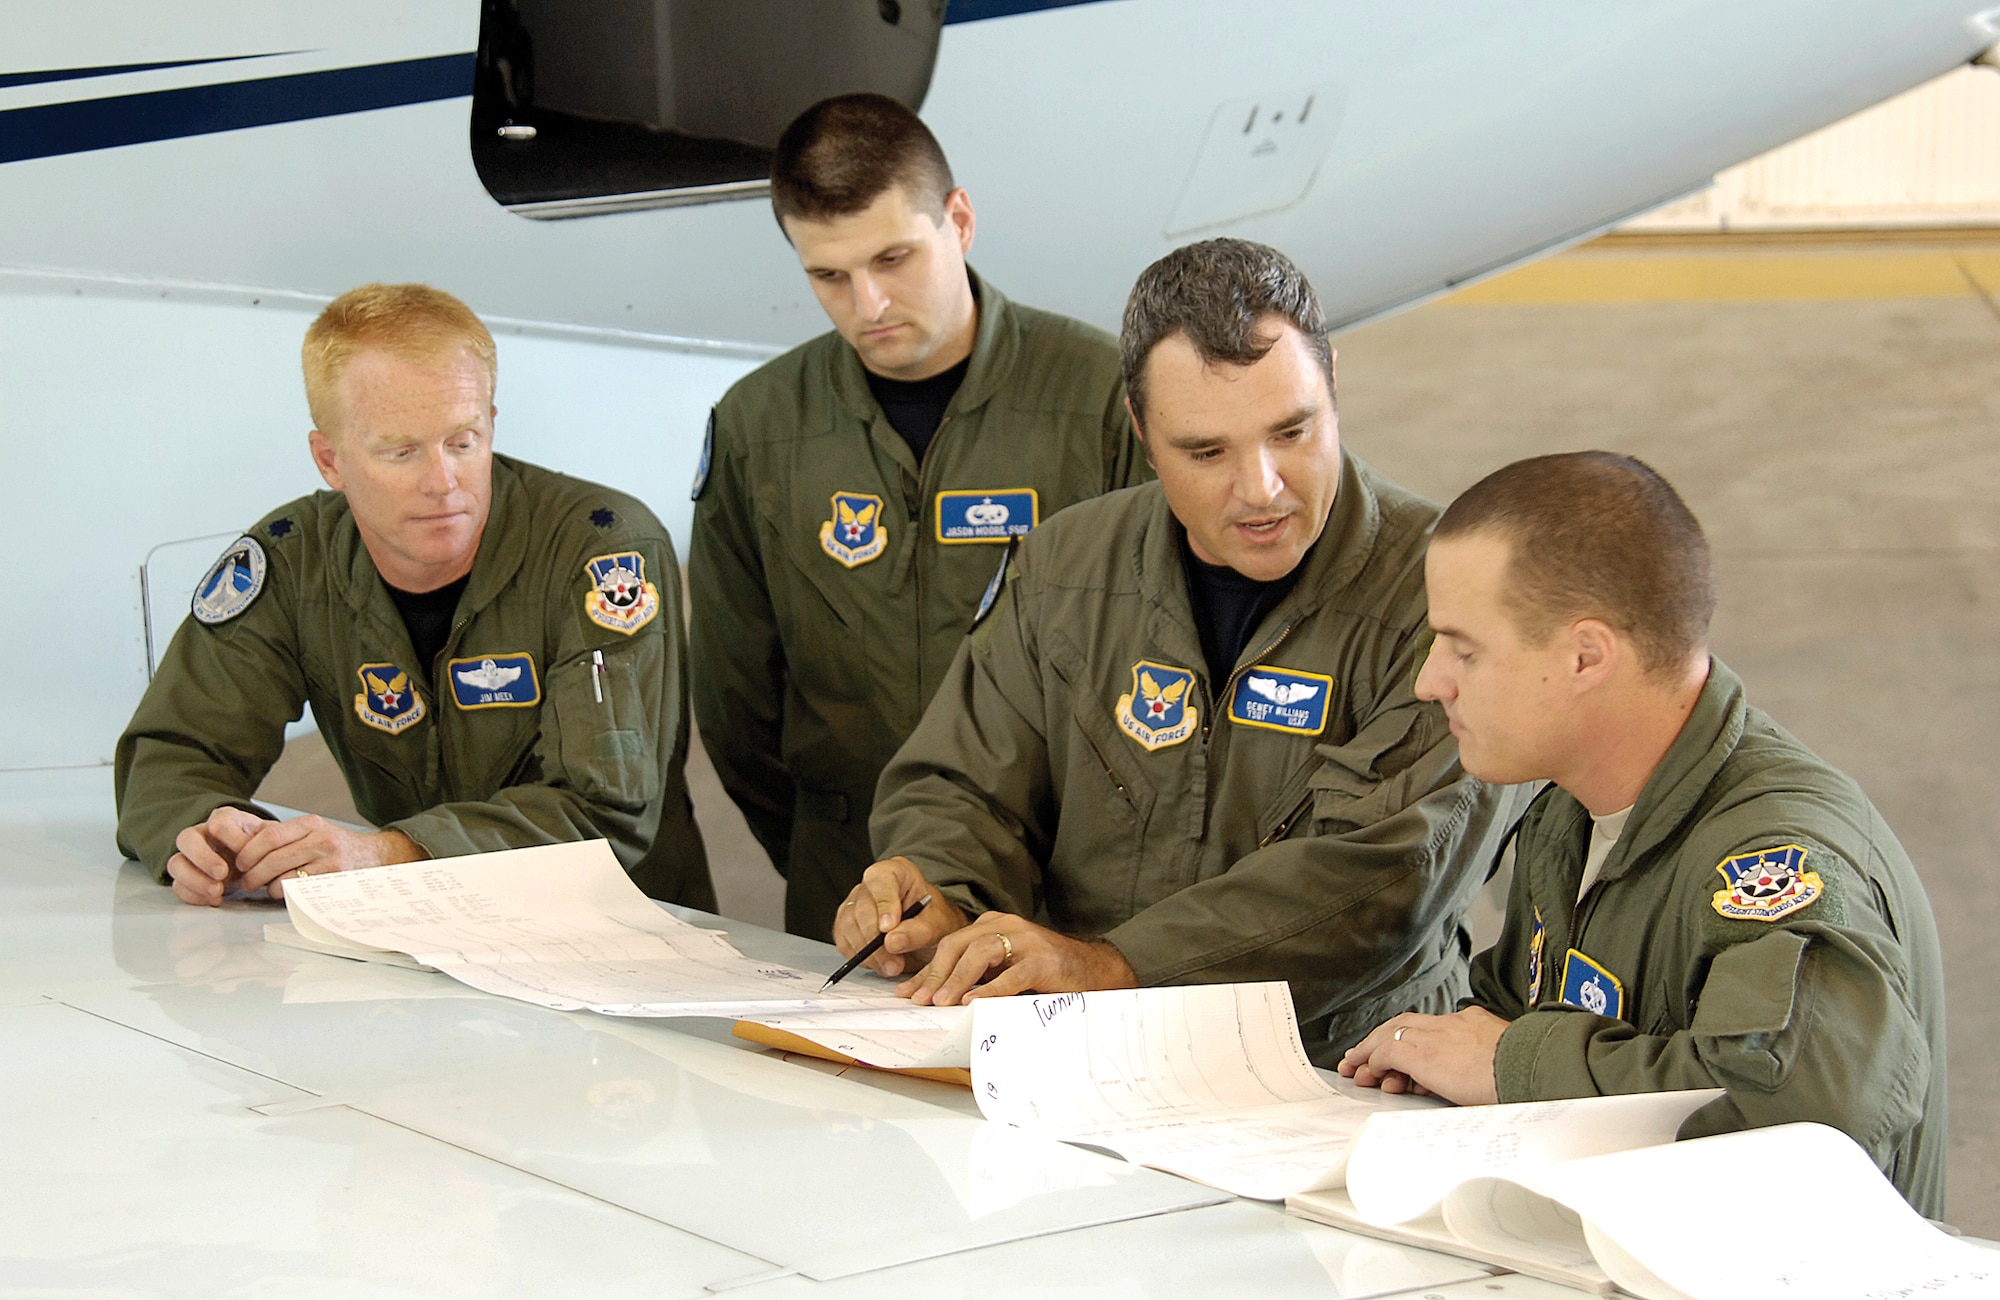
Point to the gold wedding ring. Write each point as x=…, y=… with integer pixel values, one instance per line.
x=1007, y=946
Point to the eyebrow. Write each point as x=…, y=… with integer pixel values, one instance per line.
x=1203, y=442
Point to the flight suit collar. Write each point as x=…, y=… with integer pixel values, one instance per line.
x=1337, y=558
x=996, y=344
x=1672, y=794
x=502, y=549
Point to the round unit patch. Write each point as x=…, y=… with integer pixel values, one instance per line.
x=231, y=584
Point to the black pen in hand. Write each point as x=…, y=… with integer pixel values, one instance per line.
x=870, y=948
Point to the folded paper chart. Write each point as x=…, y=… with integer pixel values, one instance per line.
x=563, y=926
x=1793, y=1210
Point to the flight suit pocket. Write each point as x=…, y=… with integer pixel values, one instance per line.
x=1749, y=997
x=605, y=745
x=1388, y=765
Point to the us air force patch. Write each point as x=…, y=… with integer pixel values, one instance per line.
x=855, y=534
x=620, y=598
x=1158, y=713
x=231, y=583
x=1535, y=960
x=987, y=516
x=1281, y=699
x=1767, y=885
x=992, y=596
x=388, y=702
x=495, y=682
x=707, y=454
x=1587, y=986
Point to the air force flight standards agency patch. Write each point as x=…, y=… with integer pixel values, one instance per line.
x=620, y=598
x=1158, y=713
x=231, y=583
x=855, y=534
x=1767, y=885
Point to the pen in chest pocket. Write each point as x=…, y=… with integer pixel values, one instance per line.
x=597, y=675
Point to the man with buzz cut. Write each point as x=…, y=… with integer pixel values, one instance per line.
x=1698, y=900
x=858, y=493
x=493, y=652
x=1181, y=746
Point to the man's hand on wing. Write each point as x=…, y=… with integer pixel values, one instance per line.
x=999, y=955
x=888, y=890
x=1446, y=1056
x=312, y=845
x=204, y=867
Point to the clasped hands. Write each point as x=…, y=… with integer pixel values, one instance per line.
x=1443, y=1056
x=235, y=849
x=995, y=956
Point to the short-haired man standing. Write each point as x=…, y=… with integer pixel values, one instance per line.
x=858, y=492
x=1185, y=730
x=1698, y=901
x=493, y=652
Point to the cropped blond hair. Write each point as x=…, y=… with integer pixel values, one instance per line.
x=412, y=322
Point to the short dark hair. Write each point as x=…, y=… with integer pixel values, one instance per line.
x=843, y=153
x=1217, y=294
x=1597, y=535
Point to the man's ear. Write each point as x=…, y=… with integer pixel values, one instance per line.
x=959, y=215
x=323, y=460
x=1595, y=652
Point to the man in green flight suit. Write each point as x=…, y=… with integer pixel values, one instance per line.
x=493, y=652
x=1182, y=745
x=1698, y=900
x=857, y=493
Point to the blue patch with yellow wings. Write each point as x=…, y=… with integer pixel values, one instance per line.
x=388, y=700
x=855, y=534
x=1159, y=710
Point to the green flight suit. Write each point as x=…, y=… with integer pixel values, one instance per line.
x=813, y=658
x=1812, y=989
x=461, y=755
x=1306, y=820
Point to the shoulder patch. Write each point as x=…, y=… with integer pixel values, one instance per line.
x=620, y=598
x=231, y=584
x=707, y=455
x=855, y=534
x=1766, y=885
x=992, y=596
x=1159, y=710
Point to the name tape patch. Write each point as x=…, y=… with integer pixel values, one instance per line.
x=231, y=583
x=1767, y=885
x=1157, y=712
x=1281, y=699
x=1587, y=986
x=987, y=516
x=388, y=700
x=855, y=534
x=495, y=682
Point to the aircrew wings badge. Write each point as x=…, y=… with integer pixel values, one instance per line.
x=1158, y=712
x=620, y=598
x=230, y=584
x=1281, y=699
x=1587, y=986
x=388, y=702
x=1767, y=884
x=855, y=534
x=495, y=682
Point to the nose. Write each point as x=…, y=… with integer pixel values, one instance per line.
x=1258, y=482
x=1433, y=683
x=440, y=476
x=869, y=301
